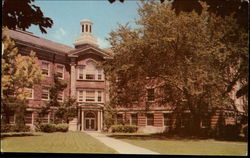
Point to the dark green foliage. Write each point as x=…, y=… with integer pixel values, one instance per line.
x=22, y=14
x=229, y=132
x=62, y=127
x=19, y=134
x=245, y=131
x=14, y=128
x=49, y=128
x=124, y=128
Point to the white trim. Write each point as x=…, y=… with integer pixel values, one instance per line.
x=43, y=61
x=62, y=70
x=48, y=93
x=62, y=96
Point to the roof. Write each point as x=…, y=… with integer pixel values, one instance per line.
x=86, y=47
x=30, y=38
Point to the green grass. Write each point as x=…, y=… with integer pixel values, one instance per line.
x=185, y=146
x=70, y=142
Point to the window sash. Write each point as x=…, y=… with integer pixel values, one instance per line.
x=99, y=97
x=45, y=93
x=60, y=71
x=90, y=76
x=60, y=96
x=167, y=119
x=31, y=93
x=134, y=119
x=150, y=119
x=80, y=72
x=45, y=68
x=80, y=96
x=90, y=96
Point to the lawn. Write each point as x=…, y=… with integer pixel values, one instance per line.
x=185, y=146
x=70, y=142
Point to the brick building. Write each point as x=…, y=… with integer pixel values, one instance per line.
x=86, y=81
x=78, y=66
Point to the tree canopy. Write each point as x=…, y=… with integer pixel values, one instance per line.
x=191, y=58
x=22, y=14
x=19, y=73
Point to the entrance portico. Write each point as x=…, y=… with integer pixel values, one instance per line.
x=90, y=117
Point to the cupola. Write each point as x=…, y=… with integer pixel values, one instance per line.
x=86, y=36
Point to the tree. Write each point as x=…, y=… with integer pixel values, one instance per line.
x=188, y=56
x=22, y=14
x=18, y=73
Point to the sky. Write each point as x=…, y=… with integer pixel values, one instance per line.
x=66, y=16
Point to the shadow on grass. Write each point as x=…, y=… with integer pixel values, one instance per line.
x=164, y=136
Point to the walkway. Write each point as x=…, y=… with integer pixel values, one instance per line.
x=120, y=146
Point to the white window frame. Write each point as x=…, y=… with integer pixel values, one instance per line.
x=78, y=95
x=48, y=68
x=63, y=69
x=48, y=92
x=97, y=96
x=78, y=72
x=86, y=95
x=62, y=96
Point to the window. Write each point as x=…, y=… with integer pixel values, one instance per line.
x=45, y=93
x=205, y=123
x=119, y=119
x=80, y=96
x=45, y=118
x=45, y=68
x=82, y=28
x=90, y=76
x=30, y=92
x=90, y=96
x=90, y=70
x=80, y=72
x=151, y=96
x=60, y=71
x=28, y=117
x=150, y=119
x=99, y=74
x=60, y=96
x=134, y=119
x=99, y=97
x=167, y=119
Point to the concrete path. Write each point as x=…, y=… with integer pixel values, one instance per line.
x=120, y=146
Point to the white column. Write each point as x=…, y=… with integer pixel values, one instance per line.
x=101, y=118
x=82, y=120
x=99, y=121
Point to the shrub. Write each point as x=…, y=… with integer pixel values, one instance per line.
x=47, y=127
x=62, y=127
x=230, y=132
x=14, y=128
x=124, y=128
x=6, y=128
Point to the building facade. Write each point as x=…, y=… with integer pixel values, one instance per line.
x=79, y=66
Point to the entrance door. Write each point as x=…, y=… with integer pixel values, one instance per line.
x=90, y=121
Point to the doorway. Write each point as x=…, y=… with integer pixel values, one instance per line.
x=90, y=121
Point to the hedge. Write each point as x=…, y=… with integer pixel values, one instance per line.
x=49, y=128
x=14, y=128
x=124, y=128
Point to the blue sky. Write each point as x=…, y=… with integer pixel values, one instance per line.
x=67, y=15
